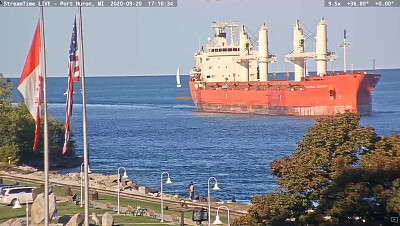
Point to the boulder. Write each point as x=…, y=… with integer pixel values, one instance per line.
x=7, y=223
x=147, y=190
x=113, y=178
x=92, y=222
x=13, y=222
x=68, y=191
x=27, y=168
x=36, y=192
x=152, y=190
x=107, y=220
x=95, y=218
x=17, y=222
x=143, y=190
x=74, y=176
x=132, y=185
x=76, y=220
x=37, y=209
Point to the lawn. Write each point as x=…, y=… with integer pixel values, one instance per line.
x=6, y=212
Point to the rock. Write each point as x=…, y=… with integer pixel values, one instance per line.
x=107, y=220
x=92, y=222
x=64, y=220
x=37, y=209
x=17, y=222
x=7, y=223
x=95, y=218
x=36, y=192
x=74, y=176
x=76, y=220
x=68, y=191
x=113, y=178
x=27, y=168
x=142, y=190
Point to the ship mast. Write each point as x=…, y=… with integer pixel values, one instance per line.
x=344, y=45
x=321, y=54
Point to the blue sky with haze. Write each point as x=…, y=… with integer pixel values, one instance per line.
x=152, y=41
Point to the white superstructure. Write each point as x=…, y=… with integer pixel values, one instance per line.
x=238, y=61
x=221, y=61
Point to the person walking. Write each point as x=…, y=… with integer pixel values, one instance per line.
x=191, y=190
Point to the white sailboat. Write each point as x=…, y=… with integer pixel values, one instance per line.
x=178, y=79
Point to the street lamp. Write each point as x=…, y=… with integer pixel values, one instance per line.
x=17, y=205
x=217, y=220
x=125, y=176
x=82, y=183
x=162, y=199
x=216, y=188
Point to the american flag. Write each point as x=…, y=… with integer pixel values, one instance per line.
x=73, y=76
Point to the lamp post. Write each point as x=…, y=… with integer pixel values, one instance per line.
x=216, y=188
x=217, y=220
x=18, y=206
x=162, y=199
x=82, y=182
x=125, y=176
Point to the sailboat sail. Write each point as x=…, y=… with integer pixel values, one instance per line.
x=178, y=79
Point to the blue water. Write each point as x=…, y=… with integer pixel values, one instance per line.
x=136, y=122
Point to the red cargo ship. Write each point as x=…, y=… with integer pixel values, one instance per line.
x=230, y=78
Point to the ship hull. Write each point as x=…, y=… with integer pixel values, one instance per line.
x=325, y=95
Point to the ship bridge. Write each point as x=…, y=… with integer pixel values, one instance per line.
x=233, y=60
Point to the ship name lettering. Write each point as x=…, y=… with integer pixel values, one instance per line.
x=318, y=87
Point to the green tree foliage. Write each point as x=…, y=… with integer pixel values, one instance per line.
x=341, y=173
x=17, y=132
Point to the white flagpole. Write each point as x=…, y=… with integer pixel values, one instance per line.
x=85, y=145
x=46, y=139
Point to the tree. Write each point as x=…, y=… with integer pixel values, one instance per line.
x=17, y=129
x=343, y=173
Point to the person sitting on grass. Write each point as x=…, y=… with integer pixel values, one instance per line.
x=75, y=199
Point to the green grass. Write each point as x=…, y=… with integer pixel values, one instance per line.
x=7, y=212
x=68, y=209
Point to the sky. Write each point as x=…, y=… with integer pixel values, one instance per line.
x=156, y=41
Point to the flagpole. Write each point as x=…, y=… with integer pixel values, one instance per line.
x=85, y=145
x=46, y=139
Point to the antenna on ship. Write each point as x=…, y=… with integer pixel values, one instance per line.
x=344, y=45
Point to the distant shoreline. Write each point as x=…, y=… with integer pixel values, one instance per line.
x=162, y=75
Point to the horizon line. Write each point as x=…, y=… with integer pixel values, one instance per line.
x=159, y=75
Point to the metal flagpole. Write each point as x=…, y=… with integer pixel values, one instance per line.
x=46, y=126
x=85, y=145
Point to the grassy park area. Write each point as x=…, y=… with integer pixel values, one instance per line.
x=68, y=208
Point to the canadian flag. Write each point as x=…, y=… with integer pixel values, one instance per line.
x=30, y=84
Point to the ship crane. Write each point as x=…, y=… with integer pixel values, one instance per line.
x=344, y=45
x=321, y=54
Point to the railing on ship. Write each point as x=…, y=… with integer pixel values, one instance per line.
x=255, y=86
